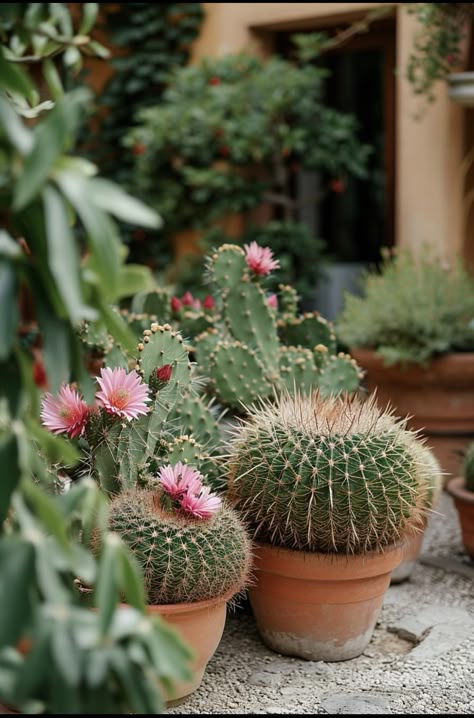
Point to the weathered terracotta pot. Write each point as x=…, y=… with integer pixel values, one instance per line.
x=411, y=550
x=439, y=399
x=464, y=503
x=201, y=625
x=322, y=607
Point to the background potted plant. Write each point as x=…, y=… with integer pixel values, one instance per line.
x=192, y=549
x=412, y=330
x=461, y=489
x=329, y=487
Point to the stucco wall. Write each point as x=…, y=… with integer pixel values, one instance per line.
x=429, y=151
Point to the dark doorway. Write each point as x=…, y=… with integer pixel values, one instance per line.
x=355, y=218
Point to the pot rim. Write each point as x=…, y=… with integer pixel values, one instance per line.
x=456, y=487
x=334, y=566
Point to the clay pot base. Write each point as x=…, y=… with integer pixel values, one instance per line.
x=317, y=606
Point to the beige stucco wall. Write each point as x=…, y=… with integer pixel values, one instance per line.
x=428, y=151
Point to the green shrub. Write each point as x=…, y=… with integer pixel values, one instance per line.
x=416, y=308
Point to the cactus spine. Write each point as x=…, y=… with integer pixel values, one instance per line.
x=183, y=559
x=325, y=474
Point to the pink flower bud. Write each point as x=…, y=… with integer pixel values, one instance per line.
x=175, y=304
x=163, y=373
x=187, y=299
x=208, y=302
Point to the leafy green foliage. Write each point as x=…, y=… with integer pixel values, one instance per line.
x=62, y=263
x=229, y=134
x=416, y=308
x=437, y=43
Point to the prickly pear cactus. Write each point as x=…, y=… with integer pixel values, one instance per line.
x=339, y=373
x=227, y=266
x=468, y=467
x=184, y=559
x=309, y=330
x=260, y=347
x=287, y=303
x=126, y=448
x=154, y=302
x=329, y=475
x=192, y=414
x=237, y=375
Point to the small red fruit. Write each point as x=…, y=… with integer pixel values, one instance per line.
x=337, y=185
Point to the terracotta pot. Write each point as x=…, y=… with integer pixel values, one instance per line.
x=438, y=398
x=411, y=550
x=201, y=625
x=464, y=503
x=322, y=607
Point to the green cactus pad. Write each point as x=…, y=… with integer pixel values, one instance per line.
x=287, y=302
x=138, y=323
x=184, y=559
x=251, y=321
x=309, y=330
x=155, y=302
x=192, y=323
x=329, y=475
x=297, y=369
x=338, y=374
x=204, y=345
x=237, y=375
x=193, y=415
x=227, y=265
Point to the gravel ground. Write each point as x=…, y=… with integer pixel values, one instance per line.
x=433, y=672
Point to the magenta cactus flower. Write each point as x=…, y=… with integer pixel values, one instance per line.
x=122, y=394
x=260, y=259
x=203, y=505
x=179, y=479
x=65, y=414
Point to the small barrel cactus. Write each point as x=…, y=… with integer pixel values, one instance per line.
x=332, y=474
x=185, y=556
x=468, y=467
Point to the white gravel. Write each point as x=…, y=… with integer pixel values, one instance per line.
x=245, y=677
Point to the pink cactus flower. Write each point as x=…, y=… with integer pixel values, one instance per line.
x=187, y=299
x=179, y=479
x=122, y=394
x=196, y=304
x=272, y=301
x=175, y=304
x=208, y=302
x=260, y=259
x=66, y=414
x=203, y=505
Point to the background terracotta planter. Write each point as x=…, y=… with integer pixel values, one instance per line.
x=201, y=625
x=411, y=550
x=322, y=607
x=439, y=399
x=464, y=503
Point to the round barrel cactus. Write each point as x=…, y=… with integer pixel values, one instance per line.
x=184, y=558
x=468, y=467
x=333, y=474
